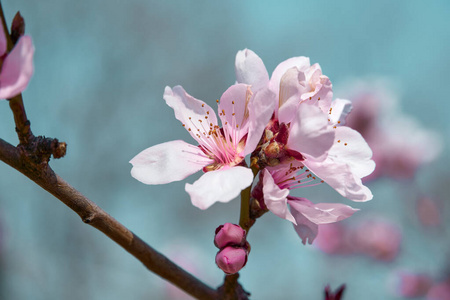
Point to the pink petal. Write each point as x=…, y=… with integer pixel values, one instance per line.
x=17, y=68
x=276, y=198
x=302, y=64
x=219, y=186
x=3, y=42
x=261, y=108
x=193, y=113
x=310, y=133
x=250, y=70
x=167, y=162
x=340, y=108
x=233, y=110
x=305, y=229
x=322, y=213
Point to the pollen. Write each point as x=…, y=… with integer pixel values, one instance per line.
x=318, y=99
x=217, y=101
x=339, y=122
x=206, y=117
x=339, y=141
x=203, y=105
x=232, y=102
x=345, y=144
x=184, y=125
x=334, y=127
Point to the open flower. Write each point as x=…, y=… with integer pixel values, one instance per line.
x=306, y=135
x=308, y=125
x=16, y=66
x=220, y=151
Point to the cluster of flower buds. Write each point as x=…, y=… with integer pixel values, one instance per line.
x=234, y=248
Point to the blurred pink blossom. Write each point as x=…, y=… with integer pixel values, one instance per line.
x=428, y=211
x=16, y=66
x=412, y=285
x=334, y=238
x=439, y=291
x=389, y=132
x=377, y=238
x=374, y=237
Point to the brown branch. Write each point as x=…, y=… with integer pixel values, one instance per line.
x=31, y=158
x=93, y=215
x=232, y=290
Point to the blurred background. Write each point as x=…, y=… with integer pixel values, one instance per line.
x=100, y=72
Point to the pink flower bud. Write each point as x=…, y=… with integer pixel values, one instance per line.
x=229, y=234
x=231, y=259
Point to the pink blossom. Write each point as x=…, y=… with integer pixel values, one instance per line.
x=306, y=136
x=231, y=259
x=411, y=285
x=429, y=211
x=388, y=131
x=229, y=234
x=334, y=238
x=221, y=150
x=439, y=291
x=377, y=238
x=16, y=66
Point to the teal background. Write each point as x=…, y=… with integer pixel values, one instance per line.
x=100, y=72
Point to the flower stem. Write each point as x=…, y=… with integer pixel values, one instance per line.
x=244, y=219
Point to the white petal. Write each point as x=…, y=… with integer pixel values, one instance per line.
x=340, y=108
x=301, y=63
x=167, y=162
x=193, y=113
x=322, y=213
x=219, y=186
x=340, y=177
x=351, y=148
x=250, y=70
x=310, y=133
